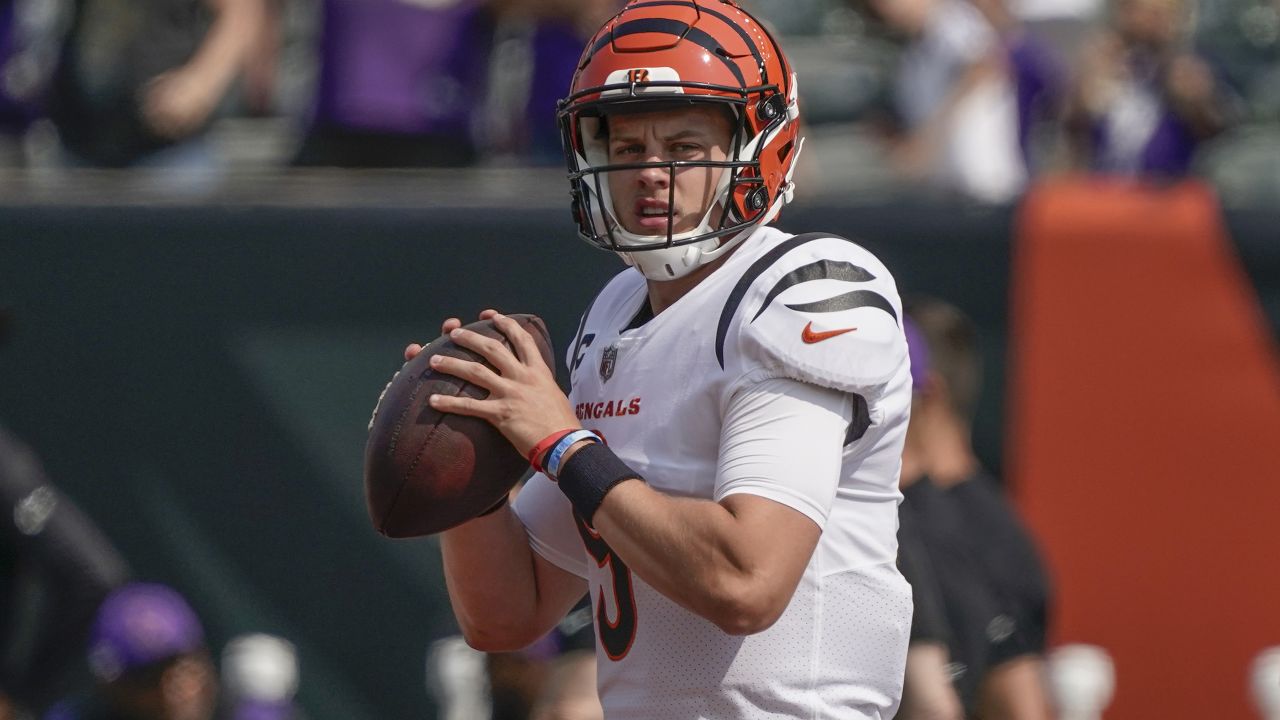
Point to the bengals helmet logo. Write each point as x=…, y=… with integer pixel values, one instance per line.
x=638, y=76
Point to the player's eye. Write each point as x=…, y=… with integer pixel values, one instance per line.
x=628, y=150
x=686, y=148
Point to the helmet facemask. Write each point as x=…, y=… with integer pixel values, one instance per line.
x=739, y=202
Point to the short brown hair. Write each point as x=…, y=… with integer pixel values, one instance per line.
x=953, y=349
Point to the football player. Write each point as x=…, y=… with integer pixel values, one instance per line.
x=722, y=477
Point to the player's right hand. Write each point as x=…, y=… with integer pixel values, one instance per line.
x=448, y=326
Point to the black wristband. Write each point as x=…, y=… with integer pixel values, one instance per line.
x=589, y=474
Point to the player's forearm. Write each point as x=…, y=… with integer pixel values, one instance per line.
x=1016, y=690
x=696, y=553
x=226, y=47
x=927, y=692
x=490, y=574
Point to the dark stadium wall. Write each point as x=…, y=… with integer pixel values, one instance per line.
x=199, y=379
x=1144, y=415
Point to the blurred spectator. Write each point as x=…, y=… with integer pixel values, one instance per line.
x=260, y=678
x=928, y=692
x=29, y=31
x=57, y=567
x=570, y=691
x=400, y=84
x=1037, y=67
x=519, y=682
x=1082, y=681
x=553, y=679
x=954, y=99
x=148, y=656
x=975, y=560
x=139, y=80
x=536, y=53
x=1143, y=101
x=439, y=83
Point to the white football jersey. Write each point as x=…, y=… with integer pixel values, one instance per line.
x=813, y=308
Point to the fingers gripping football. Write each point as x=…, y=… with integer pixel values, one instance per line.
x=448, y=326
x=524, y=403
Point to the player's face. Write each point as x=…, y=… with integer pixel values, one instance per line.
x=643, y=199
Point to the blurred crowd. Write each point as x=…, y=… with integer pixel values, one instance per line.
x=82, y=639
x=971, y=98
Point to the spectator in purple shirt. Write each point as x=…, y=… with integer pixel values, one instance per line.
x=1143, y=101
x=401, y=83
x=406, y=83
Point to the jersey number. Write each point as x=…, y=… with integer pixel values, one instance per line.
x=617, y=636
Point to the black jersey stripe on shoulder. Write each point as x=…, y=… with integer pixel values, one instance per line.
x=744, y=283
x=849, y=301
x=819, y=270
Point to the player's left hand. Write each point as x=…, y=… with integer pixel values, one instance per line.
x=525, y=404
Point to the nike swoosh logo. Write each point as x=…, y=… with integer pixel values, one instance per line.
x=809, y=336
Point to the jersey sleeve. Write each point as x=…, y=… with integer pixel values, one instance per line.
x=548, y=519
x=781, y=440
x=826, y=313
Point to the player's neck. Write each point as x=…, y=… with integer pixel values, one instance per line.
x=951, y=459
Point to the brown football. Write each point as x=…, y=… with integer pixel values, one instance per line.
x=426, y=471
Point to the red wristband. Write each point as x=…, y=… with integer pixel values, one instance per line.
x=535, y=455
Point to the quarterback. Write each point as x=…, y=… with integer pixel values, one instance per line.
x=722, y=478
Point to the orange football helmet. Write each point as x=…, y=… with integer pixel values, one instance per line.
x=659, y=54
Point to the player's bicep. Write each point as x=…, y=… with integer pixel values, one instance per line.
x=782, y=539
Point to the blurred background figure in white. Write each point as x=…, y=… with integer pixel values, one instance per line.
x=1265, y=683
x=457, y=680
x=1082, y=680
x=260, y=677
x=954, y=98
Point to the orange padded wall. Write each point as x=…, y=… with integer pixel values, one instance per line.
x=1144, y=440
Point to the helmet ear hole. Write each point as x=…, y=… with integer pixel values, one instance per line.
x=785, y=151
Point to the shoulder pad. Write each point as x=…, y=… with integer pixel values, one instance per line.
x=817, y=308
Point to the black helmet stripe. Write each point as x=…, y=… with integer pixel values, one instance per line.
x=746, y=38
x=671, y=27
